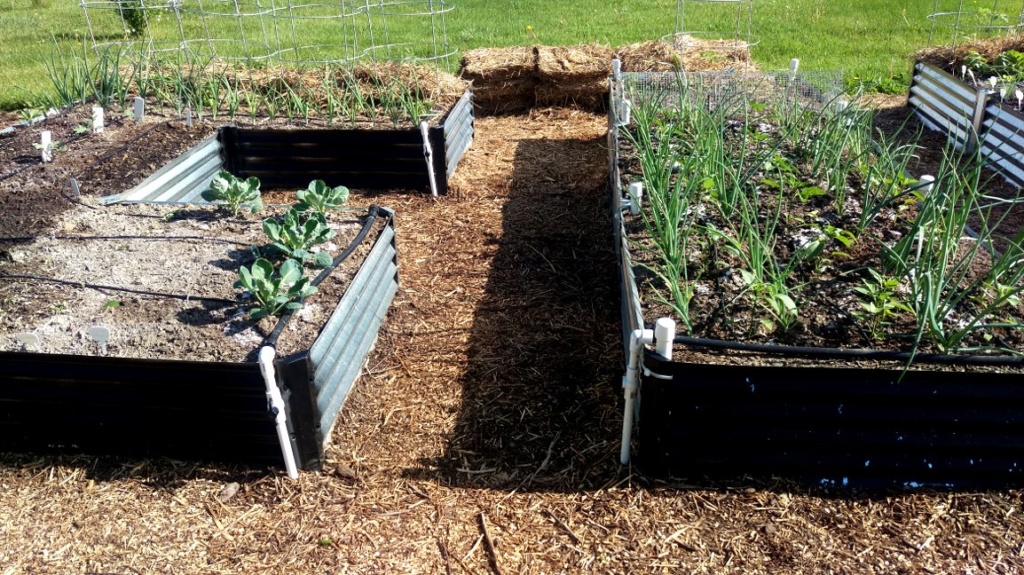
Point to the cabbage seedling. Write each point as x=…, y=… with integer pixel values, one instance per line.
x=275, y=291
x=235, y=192
x=296, y=234
x=319, y=197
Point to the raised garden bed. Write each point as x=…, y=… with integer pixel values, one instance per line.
x=976, y=116
x=794, y=359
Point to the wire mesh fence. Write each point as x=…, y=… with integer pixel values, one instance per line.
x=716, y=89
x=274, y=31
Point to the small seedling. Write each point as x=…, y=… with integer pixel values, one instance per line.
x=319, y=197
x=235, y=192
x=112, y=304
x=275, y=291
x=27, y=115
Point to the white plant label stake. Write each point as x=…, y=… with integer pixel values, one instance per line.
x=76, y=192
x=101, y=335
x=1020, y=99
x=963, y=72
x=46, y=146
x=140, y=108
x=794, y=65
x=97, y=119
x=28, y=340
x=188, y=117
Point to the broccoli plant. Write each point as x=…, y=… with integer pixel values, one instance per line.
x=296, y=234
x=235, y=192
x=275, y=291
x=319, y=197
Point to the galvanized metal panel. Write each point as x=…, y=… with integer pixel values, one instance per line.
x=338, y=353
x=1002, y=143
x=180, y=181
x=928, y=74
x=458, y=132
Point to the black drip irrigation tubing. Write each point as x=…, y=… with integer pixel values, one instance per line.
x=22, y=239
x=100, y=287
x=842, y=353
x=371, y=216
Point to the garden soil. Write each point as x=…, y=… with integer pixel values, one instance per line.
x=484, y=436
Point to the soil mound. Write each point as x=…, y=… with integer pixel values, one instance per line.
x=950, y=58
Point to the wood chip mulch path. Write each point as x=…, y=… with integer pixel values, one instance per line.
x=484, y=437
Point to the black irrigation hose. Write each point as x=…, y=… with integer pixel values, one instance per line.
x=841, y=353
x=20, y=238
x=372, y=214
x=100, y=287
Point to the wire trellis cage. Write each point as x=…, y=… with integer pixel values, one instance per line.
x=671, y=90
x=279, y=32
x=974, y=20
x=717, y=28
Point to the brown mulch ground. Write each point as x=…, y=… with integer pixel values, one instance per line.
x=484, y=437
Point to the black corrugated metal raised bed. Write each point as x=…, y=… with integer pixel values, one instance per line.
x=971, y=117
x=825, y=422
x=381, y=159
x=201, y=410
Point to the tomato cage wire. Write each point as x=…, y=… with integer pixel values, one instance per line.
x=971, y=21
x=278, y=32
x=812, y=89
x=715, y=28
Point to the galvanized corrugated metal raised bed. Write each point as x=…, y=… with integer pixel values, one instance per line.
x=820, y=424
x=200, y=410
x=375, y=159
x=971, y=118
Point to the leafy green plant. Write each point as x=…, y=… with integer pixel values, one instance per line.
x=235, y=192
x=28, y=114
x=297, y=233
x=133, y=15
x=275, y=291
x=319, y=197
x=879, y=301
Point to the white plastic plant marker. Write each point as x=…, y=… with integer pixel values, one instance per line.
x=140, y=108
x=97, y=119
x=963, y=72
x=928, y=184
x=636, y=197
x=188, y=117
x=101, y=335
x=971, y=74
x=76, y=192
x=28, y=340
x=794, y=65
x=1020, y=98
x=993, y=81
x=46, y=146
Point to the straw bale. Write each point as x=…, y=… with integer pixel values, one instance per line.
x=498, y=64
x=950, y=58
x=573, y=63
x=651, y=56
x=504, y=97
x=591, y=95
x=714, y=55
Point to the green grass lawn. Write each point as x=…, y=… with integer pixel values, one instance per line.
x=872, y=41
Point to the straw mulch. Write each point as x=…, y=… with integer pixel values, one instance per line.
x=950, y=58
x=483, y=438
x=519, y=78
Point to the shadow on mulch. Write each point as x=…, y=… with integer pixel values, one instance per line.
x=539, y=397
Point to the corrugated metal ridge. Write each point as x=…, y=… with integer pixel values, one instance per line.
x=460, y=111
x=180, y=181
x=944, y=79
x=338, y=353
x=1001, y=143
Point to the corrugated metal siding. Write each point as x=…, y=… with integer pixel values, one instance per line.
x=458, y=131
x=180, y=181
x=1002, y=143
x=944, y=103
x=119, y=406
x=338, y=354
x=864, y=427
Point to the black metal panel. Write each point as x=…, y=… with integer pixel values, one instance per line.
x=859, y=427
x=193, y=410
x=295, y=377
